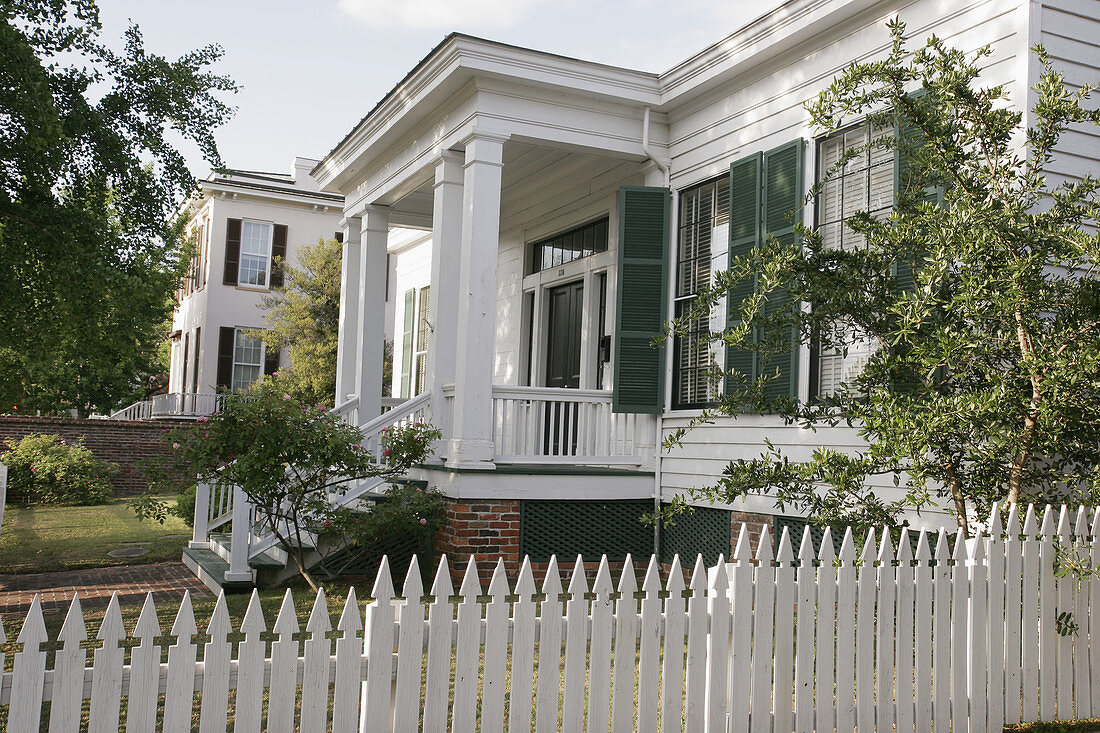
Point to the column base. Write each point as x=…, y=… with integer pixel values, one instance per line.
x=475, y=454
x=232, y=577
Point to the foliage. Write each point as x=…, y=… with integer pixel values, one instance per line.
x=47, y=469
x=185, y=506
x=150, y=506
x=90, y=181
x=288, y=457
x=983, y=385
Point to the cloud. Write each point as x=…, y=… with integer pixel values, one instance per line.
x=438, y=14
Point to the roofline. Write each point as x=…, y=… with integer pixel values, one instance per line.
x=222, y=183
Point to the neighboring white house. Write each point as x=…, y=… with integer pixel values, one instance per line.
x=575, y=207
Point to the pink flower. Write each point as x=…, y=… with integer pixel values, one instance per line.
x=423, y=521
x=357, y=447
x=33, y=468
x=386, y=452
x=328, y=523
x=274, y=374
x=320, y=408
x=418, y=491
x=286, y=397
x=175, y=446
x=204, y=418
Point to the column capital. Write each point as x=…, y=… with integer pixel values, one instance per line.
x=487, y=148
x=375, y=218
x=448, y=167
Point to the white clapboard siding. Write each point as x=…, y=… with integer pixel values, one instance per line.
x=941, y=639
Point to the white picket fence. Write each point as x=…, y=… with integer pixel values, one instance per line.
x=962, y=638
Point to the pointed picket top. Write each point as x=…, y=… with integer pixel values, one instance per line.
x=319, y=622
x=551, y=582
x=652, y=581
x=924, y=554
x=350, y=620
x=995, y=526
x=73, y=628
x=33, y=631
x=286, y=622
x=383, y=582
x=905, y=548
x=742, y=551
x=148, y=625
x=826, y=553
x=220, y=625
x=628, y=581
x=471, y=583
x=847, y=547
x=111, y=628
x=442, y=587
x=603, y=585
x=806, y=554
x=1081, y=525
x=525, y=583
x=764, y=552
x=413, y=588
x=253, y=621
x=785, y=554
x=184, y=626
x=976, y=551
x=1046, y=527
x=718, y=579
x=867, y=555
x=1063, y=522
x=943, y=550
x=675, y=585
x=498, y=584
x=1030, y=525
x=1012, y=525
x=1096, y=522
x=578, y=583
x=699, y=577
x=886, y=549
x=958, y=553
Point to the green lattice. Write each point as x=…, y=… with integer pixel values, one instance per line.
x=586, y=528
x=703, y=531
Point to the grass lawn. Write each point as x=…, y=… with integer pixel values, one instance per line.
x=37, y=539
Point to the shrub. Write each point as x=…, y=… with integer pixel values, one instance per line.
x=185, y=505
x=46, y=469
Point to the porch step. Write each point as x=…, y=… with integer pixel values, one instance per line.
x=210, y=569
x=265, y=559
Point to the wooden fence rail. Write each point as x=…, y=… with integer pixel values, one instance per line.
x=909, y=632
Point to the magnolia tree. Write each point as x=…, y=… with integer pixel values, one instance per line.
x=977, y=298
x=290, y=458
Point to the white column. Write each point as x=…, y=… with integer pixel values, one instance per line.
x=372, y=311
x=443, y=305
x=240, y=538
x=200, y=533
x=472, y=441
x=347, y=345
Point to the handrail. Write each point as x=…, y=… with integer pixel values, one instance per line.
x=553, y=393
x=397, y=414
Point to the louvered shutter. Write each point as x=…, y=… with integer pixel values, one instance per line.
x=744, y=235
x=232, y=251
x=198, y=359
x=225, y=357
x=271, y=360
x=407, y=344
x=643, y=254
x=278, y=255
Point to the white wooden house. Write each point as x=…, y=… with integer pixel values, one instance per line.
x=573, y=208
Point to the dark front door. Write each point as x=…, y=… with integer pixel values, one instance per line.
x=563, y=366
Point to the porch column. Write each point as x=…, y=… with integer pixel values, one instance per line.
x=372, y=311
x=443, y=305
x=472, y=440
x=347, y=344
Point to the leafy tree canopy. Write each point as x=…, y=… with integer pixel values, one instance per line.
x=978, y=293
x=89, y=181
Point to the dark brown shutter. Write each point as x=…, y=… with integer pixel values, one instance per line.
x=198, y=359
x=278, y=256
x=232, y=251
x=339, y=237
x=225, y=357
x=271, y=361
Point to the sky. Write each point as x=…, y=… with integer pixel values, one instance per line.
x=309, y=71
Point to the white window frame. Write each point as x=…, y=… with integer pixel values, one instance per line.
x=239, y=333
x=241, y=278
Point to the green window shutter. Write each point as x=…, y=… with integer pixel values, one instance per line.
x=744, y=236
x=781, y=211
x=908, y=134
x=407, y=344
x=643, y=254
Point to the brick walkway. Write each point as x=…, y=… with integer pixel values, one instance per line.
x=167, y=581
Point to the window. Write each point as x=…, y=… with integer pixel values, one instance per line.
x=865, y=183
x=255, y=253
x=421, y=354
x=560, y=249
x=703, y=208
x=248, y=360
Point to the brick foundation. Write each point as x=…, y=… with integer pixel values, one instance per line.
x=126, y=443
x=486, y=530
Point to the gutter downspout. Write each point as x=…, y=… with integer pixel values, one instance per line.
x=657, y=492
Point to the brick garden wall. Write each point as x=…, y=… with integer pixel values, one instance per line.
x=126, y=443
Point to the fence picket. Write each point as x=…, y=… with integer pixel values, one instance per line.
x=315, y=677
x=960, y=587
x=496, y=650
x=995, y=627
x=904, y=649
x=576, y=649
x=467, y=651
x=1094, y=608
x=696, y=678
x=214, y=703
x=1013, y=570
x=626, y=640
x=977, y=690
x=740, y=682
x=284, y=667
x=179, y=696
x=825, y=634
x=378, y=644
x=521, y=687
x=764, y=581
x=1048, y=611
x=437, y=682
x=845, y=635
x=349, y=664
x=865, y=637
x=717, y=649
x=141, y=708
x=672, y=663
x=922, y=612
x=887, y=615
x=1082, y=704
x=28, y=672
x=783, y=641
x=1063, y=594
x=804, y=636
x=550, y=634
x=250, y=669
x=599, y=663
x=1029, y=637
x=941, y=635
x=410, y=646
x=68, y=675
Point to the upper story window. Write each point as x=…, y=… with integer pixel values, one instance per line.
x=865, y=183
x=255, y=253
x=560, y=249
x=703, y=210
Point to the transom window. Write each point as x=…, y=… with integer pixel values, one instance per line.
x=248, y=360
x=560, y=249
x=866, y=183
x=703, y=208
x=255, y=253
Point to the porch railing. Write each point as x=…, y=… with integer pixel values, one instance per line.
x=553, y=425
x=172, y=405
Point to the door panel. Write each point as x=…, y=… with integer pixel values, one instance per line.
x=563, y=365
